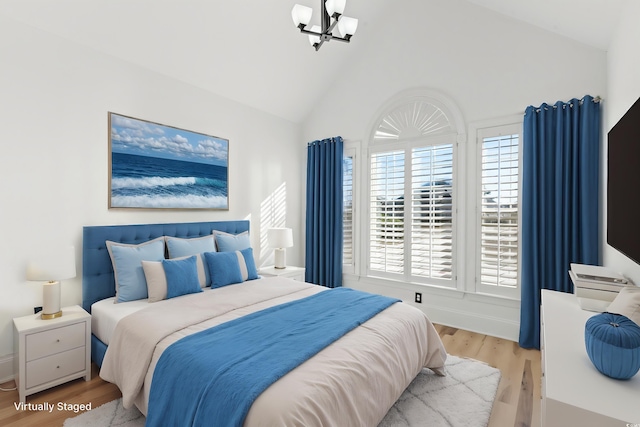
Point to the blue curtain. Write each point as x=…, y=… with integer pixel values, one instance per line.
x=324, y=213
x=560, y=193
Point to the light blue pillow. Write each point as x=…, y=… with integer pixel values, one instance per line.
x=127, y=267
x=182, y=277
x=232, y=242
x=178, y=247
x=224, y=268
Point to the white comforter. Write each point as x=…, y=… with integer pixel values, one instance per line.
x=352, y=382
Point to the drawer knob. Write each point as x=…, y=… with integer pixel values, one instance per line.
x=58, y=367
x=58, y=340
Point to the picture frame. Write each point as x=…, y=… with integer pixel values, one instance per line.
x=156, y=166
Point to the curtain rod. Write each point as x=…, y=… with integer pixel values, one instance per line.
x=596, y=100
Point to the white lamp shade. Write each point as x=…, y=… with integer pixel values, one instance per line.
x=347, y=25
x=314, y=39
x=280, y=237
x=335, y=6
x=51, y=265
x=301, y=14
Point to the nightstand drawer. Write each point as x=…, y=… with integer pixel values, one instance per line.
x=46, y=343
x=53, y=367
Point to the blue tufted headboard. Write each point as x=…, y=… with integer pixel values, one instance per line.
x=97, y=272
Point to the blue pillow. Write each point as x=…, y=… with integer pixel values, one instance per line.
x=232, y=242
x=127, y=267
x=224, y=268
x=178, y=247
x=250, y=263
x=182, y=277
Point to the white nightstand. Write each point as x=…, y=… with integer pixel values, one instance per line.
x=295, y=273
x=51, y=352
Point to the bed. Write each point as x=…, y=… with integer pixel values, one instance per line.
x=352, y=381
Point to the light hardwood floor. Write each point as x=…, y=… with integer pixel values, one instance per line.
x=517, y=401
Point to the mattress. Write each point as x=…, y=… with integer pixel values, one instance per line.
x=353, y=381
x=105, y=315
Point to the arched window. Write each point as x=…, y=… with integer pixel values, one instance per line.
x=413, y=189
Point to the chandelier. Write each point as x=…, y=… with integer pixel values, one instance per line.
x=331, y=15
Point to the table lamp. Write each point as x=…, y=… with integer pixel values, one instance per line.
x=51, y=267
x=280, y=238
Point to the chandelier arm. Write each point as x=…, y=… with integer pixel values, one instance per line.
x=345, y=39
x=328, y=36
x=313, y=33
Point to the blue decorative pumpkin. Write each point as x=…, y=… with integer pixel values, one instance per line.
x=613, y=345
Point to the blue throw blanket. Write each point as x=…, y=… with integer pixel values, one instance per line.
x=211, y=378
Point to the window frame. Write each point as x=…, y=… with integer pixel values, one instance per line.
x=407, y=145
x=508, y=125
x=467, y=187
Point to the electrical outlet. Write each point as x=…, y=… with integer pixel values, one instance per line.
x=419, y=297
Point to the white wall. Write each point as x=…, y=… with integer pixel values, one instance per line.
x=491, y=66
x=624, y=89
x=54, y=99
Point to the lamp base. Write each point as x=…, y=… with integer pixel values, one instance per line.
x=51, y=315
x=279, y=256
x=51, y=300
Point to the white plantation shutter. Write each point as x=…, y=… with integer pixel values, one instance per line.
x=411, y=193
x=431, y=213
x=410, y=207
x=347, y=212
x=499, y=202
x=386, y=207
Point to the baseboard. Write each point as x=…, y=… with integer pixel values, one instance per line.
x=6, y=369
x=482, y=324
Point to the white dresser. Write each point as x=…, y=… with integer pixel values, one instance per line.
x=51, y=352
x=574, y=393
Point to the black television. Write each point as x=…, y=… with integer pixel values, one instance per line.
x=623, y=184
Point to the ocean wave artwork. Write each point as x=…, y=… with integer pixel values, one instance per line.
x=157, y=166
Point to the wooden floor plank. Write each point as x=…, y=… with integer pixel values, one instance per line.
x=525, y=402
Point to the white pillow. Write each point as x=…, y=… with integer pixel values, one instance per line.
x=156, y=280
x=627, y=303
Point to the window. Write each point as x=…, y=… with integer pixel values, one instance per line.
x=411, y=195
x=431, y=218
x=386, y=234
x=347, y=211
x=441, y=211
x=498, y=222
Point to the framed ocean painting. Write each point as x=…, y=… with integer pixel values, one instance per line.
x=154, y=166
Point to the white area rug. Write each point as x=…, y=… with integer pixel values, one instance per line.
x=464, y=397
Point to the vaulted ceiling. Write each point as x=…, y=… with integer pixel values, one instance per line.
x=249, y=50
